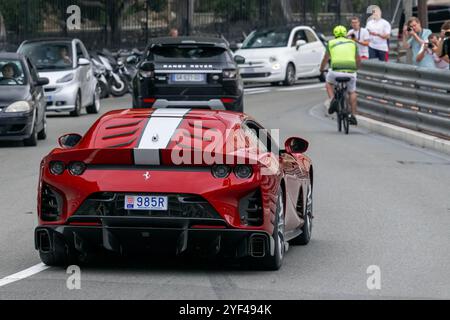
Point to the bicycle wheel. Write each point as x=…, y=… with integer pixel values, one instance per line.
x=345, y=116
x=339, y=116
x=346, y=124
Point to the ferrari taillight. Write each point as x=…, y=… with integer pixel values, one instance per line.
x=77, y=168
x=57, y=167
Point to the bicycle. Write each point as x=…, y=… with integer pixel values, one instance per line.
x=343, y=109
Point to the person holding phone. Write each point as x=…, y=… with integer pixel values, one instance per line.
x=361, y=36
x=443, y=48
x=415, y=37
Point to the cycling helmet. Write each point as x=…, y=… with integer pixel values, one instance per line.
x=340, y=31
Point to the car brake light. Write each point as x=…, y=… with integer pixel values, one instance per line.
x=149, y=100
x=227, y=100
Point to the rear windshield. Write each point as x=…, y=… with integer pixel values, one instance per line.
x=194, y=53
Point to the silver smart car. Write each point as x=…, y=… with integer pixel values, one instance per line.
x=65, y=62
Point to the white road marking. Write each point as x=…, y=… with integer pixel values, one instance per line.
x=313, y=86
x=256, y=92
x=23, y=274
x=255, y=89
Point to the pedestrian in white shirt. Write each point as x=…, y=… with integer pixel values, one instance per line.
x=380, y=32
x=361, y=36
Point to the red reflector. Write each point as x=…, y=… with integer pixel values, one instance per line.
x=208, y=227
x=227, y=100
x=149, y=100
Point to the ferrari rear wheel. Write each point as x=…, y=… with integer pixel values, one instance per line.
x=274, y=262
x=307, y=215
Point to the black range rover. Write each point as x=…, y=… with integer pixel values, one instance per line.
x=188, y=72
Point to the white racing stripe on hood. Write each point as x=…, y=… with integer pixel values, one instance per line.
x=157, y=134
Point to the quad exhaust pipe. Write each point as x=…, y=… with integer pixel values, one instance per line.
x=258, y=246
x=43, y=241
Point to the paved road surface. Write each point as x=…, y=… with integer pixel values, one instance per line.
x=377, y=202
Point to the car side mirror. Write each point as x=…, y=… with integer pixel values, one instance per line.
x=69, y=141
x=239, y=45
x=296, y=145
x=239, y=59
x=83, y=62
x=300, y=43
x=42, y=82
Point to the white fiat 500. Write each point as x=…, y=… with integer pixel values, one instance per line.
x=66, y=63
x=281, y=55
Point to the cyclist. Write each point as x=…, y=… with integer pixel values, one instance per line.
x=345, y=61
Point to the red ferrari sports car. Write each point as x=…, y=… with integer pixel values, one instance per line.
x=213, y=182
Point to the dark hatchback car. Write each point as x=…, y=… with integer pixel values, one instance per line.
x=22, y=100
x=188, y=72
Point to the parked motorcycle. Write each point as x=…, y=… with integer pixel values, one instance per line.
x=118, y=84
x=100, y=74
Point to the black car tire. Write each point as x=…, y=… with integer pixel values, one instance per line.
x=94, y=108
x=307, y=214
x=322, y=77
x=275, y=262
x=77, y=111
x=290, y=76
x=60, y=255
x=33, y=139
x=42, y=135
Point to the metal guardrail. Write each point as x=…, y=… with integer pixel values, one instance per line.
x=404, y=95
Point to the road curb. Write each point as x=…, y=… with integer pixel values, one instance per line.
x=412, y=137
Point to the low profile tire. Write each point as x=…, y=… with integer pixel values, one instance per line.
x=59, y=257
x=33, y=139
x=275, y=262
x=42, y=135
x=77, y=111
x=307, y=214
x=94, y=108
x=290, y=76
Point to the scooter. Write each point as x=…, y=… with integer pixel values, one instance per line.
x=118, y=85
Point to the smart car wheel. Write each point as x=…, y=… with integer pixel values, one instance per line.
x=274, y=262
x=77, y=111
x=94, y=108
x=322, y=77
x=290, y=75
